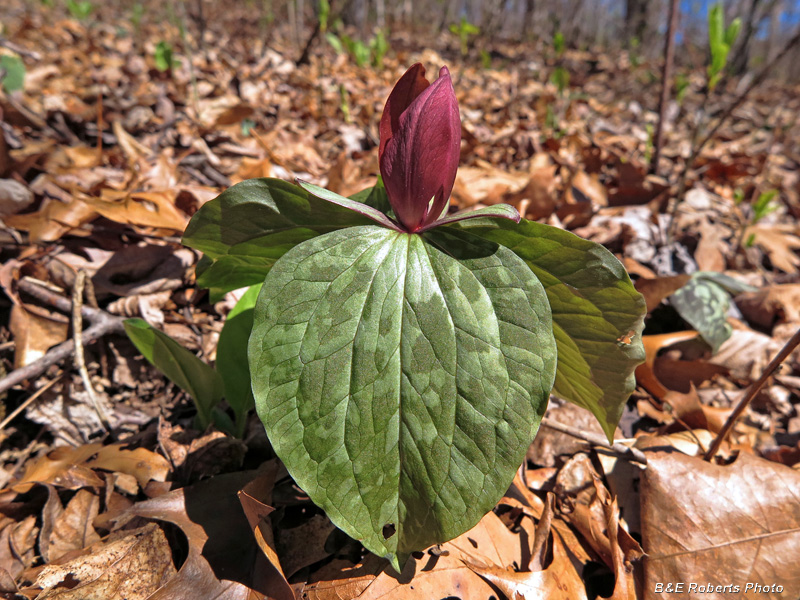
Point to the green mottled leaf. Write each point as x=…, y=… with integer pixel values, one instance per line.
x=401, y=378
x=704, y=303
x=596, y=311
x=182, y=367
x=249, y=226
x=232, y=357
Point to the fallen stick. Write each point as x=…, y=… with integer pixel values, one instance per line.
x=633, y=454
x=102, y=322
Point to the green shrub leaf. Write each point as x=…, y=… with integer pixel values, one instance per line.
x=182, y=367
x=401, y=378
x=244, y=230
x=598, y=316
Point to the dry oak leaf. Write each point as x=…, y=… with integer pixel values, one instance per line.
x=131, y=567
x=721, y=525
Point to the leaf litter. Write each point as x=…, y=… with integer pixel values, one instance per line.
x=104, y=161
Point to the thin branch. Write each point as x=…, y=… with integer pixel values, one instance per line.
x=633, y=454
x=788, y=348
x=80, y=360
x=666, y=83
x=103, y=324
x=28, y=401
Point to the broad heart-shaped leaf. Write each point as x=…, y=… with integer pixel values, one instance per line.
x=598, y=316
x=401, y=378
x=182, y=367
x=249, y=226
x=232, y=357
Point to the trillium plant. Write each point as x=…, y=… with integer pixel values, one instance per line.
x=401, y=357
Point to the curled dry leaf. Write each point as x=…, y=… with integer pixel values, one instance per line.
x=721, y=525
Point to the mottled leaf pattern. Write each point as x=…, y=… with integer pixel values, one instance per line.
x=598, y=316
x=401, y=378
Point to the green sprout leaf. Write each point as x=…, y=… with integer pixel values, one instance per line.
x=401, y=378
x=594, y=306
x=182, y=367
x=232, y=362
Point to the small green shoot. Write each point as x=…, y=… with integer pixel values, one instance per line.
x=464, y=29
x=324, y=13
x=720, y=41
x=765, y=205
x=164, y=58
x=560, y=79
x=80, y=9
x=378, y=47
x=486, y=59
x=559, y=44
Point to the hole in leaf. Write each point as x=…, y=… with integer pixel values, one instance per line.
x=388, y=530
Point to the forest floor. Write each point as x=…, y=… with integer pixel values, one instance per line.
x=104, y=158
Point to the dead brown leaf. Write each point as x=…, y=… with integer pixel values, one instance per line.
x=721, y=525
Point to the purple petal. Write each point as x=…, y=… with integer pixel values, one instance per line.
x=420, y=159
x=407, y=88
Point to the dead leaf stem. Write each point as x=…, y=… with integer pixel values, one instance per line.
x=787, y=349
x=633, y=454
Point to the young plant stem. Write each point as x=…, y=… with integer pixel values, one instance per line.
x=666, y=83
x=787, y=349
x=633, y=454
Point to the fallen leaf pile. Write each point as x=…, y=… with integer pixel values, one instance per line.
x=104, y=158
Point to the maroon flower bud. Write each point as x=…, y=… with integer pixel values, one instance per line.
x=419, y=148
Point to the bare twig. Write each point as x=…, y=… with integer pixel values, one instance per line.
x=28, y=401
x=80, y=359
x=633, y=454
x=787, y=349
x=6, y=43
x=103, y=323
x=666, y=83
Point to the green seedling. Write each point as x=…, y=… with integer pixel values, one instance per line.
x=464, y=30
x=80, y=9
x=720, y=41
x=164, y=58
